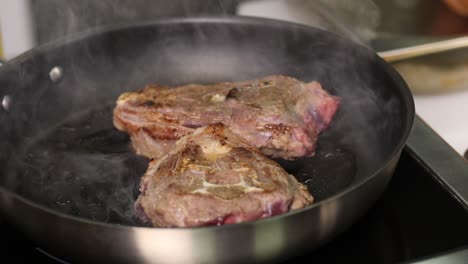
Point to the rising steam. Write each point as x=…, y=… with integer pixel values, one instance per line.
x=79, y=164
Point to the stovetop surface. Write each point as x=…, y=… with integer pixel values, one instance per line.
x=415, y=218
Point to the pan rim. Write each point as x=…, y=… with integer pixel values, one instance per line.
x=403, y=90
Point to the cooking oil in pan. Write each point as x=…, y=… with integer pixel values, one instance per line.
x=85, y=167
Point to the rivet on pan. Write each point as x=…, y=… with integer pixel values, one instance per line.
x=56, y=73
x=6, y=103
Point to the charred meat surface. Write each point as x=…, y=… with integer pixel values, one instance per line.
x=213, y=177
x=277, y=114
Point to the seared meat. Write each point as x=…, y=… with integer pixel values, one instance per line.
x=279, y=115
x=213, y=177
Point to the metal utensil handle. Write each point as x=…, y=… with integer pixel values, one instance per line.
x=424, y=49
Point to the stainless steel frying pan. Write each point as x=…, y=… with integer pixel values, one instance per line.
x=69, y=179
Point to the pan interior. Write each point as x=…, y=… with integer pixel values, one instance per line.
x=85, y=167
x=63, y=151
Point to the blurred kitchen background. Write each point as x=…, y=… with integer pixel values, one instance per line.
x=439, y=82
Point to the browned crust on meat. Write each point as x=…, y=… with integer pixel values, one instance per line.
x=272, y=113
x=189, y=188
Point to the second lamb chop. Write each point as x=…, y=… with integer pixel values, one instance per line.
x=213, y=177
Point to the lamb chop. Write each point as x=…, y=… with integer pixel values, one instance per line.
x=279, y=115
x=214, y=177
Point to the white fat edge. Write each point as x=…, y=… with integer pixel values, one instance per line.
x=254, y=178
x=199, y=130
x=245, y=187
x=243, y=169
x=213, y=149
x=217, y=98
x=249, y=188
x=121, y=102
x=125, y=97
x=201, y=191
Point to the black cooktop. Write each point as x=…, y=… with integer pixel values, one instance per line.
x=416, y=218
x=419, y=217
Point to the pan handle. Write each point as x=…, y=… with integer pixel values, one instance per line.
x=424, y=49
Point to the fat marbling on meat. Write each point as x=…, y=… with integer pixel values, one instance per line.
x=214, y=177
